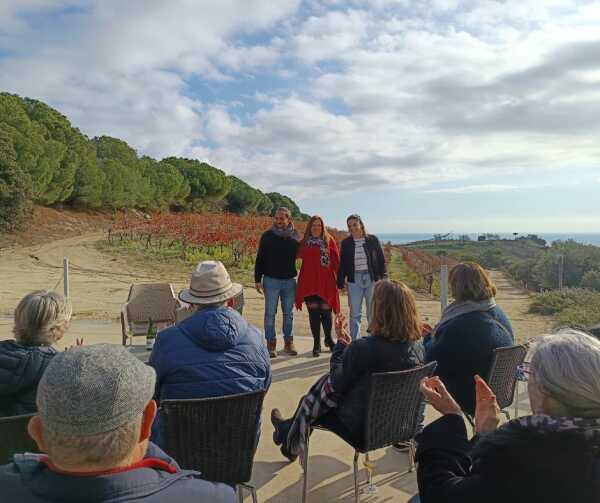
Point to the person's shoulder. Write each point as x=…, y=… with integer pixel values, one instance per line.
x=194, y=486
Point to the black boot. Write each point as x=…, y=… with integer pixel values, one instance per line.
x=317, y=347
x=327, y=326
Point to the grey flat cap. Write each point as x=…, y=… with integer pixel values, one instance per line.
x=93, y=389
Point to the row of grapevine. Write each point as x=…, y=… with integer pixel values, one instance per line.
x=208, y=232
x=423, y=263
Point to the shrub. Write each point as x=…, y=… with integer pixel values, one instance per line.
x=591, y=279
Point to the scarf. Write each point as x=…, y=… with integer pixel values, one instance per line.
x=289, y=232
x=589, y=427
x=319, y=400
x=457, y=309
x=320, y=242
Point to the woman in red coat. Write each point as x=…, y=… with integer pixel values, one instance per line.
x=317, y=280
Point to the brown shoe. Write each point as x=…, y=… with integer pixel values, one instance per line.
x=272, y=348
x=288, y=347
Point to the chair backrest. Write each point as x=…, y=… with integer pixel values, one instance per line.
x=502, y=378
x=238, y=302
x=147, y=301
x=14, y=437
x=216, y=436
x=395, y=406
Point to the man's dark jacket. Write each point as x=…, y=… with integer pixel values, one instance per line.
x=515, y=463
x=276, y=257
x=21, y=368
x=28, y=480
x=375, y=260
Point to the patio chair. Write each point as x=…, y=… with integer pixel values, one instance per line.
x=393, y=416
x=216, y=436
x=156, y=301
x=502, y=377
x=14, y=437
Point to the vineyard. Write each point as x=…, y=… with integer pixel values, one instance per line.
x=425, y=265
x=217, y=235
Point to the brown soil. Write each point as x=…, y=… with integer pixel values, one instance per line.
x=99, y=282
x=48, y=224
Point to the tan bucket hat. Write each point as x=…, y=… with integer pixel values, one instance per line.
x=210, y=284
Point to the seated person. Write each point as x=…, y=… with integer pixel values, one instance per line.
x=41, y=320
x=215, y=351
x=471, y=328
x=393, y=344
x=551, y=456
x=95, y=413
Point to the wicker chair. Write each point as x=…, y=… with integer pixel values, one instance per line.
x=393, y=416
x=216, y=436
x=14, y=437
x=502, y=378
x=147, y=301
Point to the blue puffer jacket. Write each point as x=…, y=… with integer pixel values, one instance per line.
x=214, y=352
x=21, y=368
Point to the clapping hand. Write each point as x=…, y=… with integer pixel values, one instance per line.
x=437, y=395
x=487, y=411
x=78, y=342
x=341, y=330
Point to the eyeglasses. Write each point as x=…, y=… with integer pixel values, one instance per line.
x=524, y=371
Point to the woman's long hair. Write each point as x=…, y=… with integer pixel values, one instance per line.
x=324, y=233
x=395, y=316
x=354, y=216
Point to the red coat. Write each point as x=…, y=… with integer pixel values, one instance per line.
x=314, y=279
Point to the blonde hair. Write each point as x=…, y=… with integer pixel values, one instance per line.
x=395, y=316
x=38, y=315
x=469, y=281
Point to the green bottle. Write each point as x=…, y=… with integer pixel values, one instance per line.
x=150, y=335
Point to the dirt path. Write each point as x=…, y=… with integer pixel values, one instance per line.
x=100, y=282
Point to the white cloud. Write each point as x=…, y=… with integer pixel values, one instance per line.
x=473, y=189
x=359, y=93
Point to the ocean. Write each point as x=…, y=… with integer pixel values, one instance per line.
x=589, y=238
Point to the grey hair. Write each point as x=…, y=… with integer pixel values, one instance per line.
x=102, y=449
x=215, y=305
x=283, y=209
x=566, y=367
x=37, y=316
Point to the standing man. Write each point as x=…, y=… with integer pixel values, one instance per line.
x=275, y=274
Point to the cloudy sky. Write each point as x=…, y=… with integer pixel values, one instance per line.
x=422, y=115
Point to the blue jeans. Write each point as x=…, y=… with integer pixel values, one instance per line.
x=361, y=288
x=275, y=289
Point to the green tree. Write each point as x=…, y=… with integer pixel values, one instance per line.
x=208, y=185
x=242, y=198
x=279, y=200
x=591, y=279
x=15, y=187
x=169, y=187
x=124, y=181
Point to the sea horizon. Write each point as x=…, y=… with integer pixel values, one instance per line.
x=398, y=238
